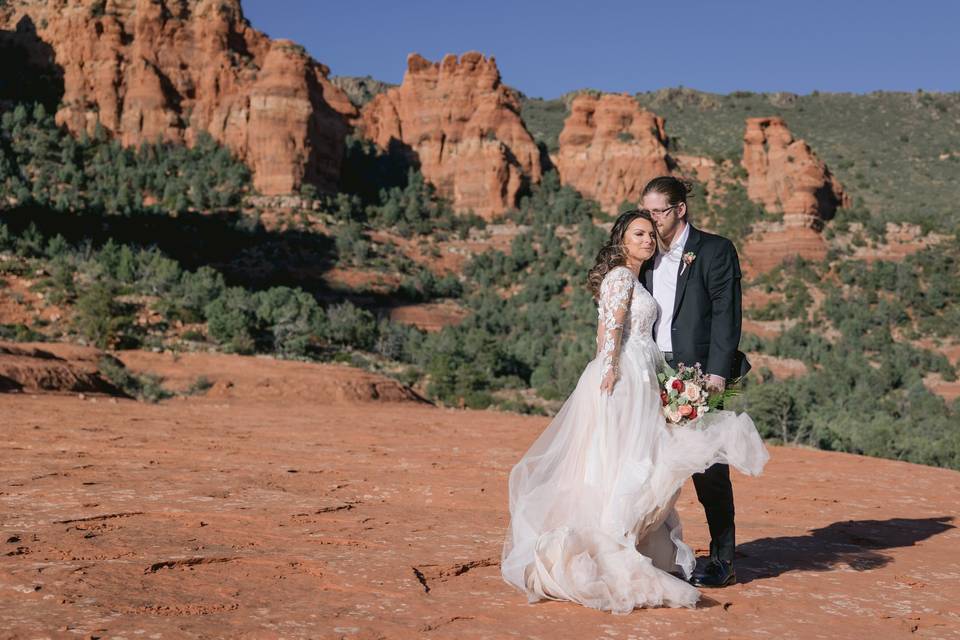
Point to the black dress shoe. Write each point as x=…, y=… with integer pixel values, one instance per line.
x=716, y=574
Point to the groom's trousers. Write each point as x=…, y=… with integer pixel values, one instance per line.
x=715, y=493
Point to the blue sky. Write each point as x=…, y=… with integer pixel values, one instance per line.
x=548, y=48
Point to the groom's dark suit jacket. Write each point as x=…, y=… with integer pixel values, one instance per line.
x=706, y=310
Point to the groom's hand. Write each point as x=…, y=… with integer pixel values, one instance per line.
x=716, y=383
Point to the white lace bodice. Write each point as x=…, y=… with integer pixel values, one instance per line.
x=626, y=313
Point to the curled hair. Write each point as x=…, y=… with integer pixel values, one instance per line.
x=612, y=255
x=676, y=190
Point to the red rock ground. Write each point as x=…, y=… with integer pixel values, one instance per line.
x=280, y=512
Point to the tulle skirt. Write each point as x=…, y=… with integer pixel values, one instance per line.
x=592, y=516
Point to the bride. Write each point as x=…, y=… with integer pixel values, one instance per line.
x=592, y=516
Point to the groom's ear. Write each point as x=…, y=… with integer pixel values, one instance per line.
x=682, y=210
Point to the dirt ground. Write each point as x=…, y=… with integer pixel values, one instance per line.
x=274, y=507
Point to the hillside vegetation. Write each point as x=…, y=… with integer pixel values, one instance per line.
x=897, y=154
x=165, y=247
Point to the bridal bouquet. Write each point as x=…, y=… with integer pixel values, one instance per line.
x=684, y=395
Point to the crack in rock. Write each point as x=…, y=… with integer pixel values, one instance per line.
x=186, y=562
x=436, y=625
x=442, y=573
x=346, y=506
x=182, y=609
x=106, y=516
x=422, y=579
x=342, y=507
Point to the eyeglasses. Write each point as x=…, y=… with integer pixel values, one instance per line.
x=656, y=213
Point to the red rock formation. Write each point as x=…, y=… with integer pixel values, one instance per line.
x=610, y=148
x=772, y=243
x=462, y=126
x=58, y=369
x=169, y=70
x=786, y=176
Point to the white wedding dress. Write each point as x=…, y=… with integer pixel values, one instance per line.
x=592, y=515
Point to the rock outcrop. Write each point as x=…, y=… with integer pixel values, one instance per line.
x=785, y=176
x=610, y=147
x=169, y=70
x=55, y=368
x=772, y=243
x=461, y=125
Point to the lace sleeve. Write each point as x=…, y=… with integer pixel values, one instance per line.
x=616, y=293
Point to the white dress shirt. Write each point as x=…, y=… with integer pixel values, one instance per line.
x=665, y=270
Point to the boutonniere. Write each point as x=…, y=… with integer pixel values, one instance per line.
x=688, y=259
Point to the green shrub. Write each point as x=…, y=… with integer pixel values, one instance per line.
x=289, y=319
x=147, y=387
x=232, y=320
x=350, y=326
x=100, y=318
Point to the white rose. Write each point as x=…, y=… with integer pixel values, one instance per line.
x=692, y=392
x=673, y=415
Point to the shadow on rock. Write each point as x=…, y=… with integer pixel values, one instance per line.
x=855, y=543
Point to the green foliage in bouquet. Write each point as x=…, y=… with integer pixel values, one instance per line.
x=675, y=396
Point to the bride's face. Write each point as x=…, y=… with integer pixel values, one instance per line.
x=639, y=240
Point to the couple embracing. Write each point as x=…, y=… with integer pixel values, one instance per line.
x=592, y=502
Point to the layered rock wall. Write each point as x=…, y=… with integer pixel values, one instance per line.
x=461, y=125
x=610, y=148
x=168, y=70
x=784, y=175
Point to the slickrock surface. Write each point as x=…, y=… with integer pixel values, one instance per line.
x=291, y=517
x=168, y=70
x=610, y=148
x=462, y=126
x=786, y=176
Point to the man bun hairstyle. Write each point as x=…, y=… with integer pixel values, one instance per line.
x=676, y=190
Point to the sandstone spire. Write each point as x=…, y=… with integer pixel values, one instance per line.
x=784, y=175
x=462, y=126
x=610, y=147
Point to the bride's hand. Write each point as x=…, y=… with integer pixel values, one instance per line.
x=608, y=382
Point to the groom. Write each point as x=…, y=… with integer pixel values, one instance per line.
x=696, y=283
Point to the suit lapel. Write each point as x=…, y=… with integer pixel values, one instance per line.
x=683, y=273
x=648, y=276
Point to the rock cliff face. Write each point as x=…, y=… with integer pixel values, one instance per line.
x=772, y=243
x=462, y=126
x=171, y=69
x=610, y=148
x=786, y=176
